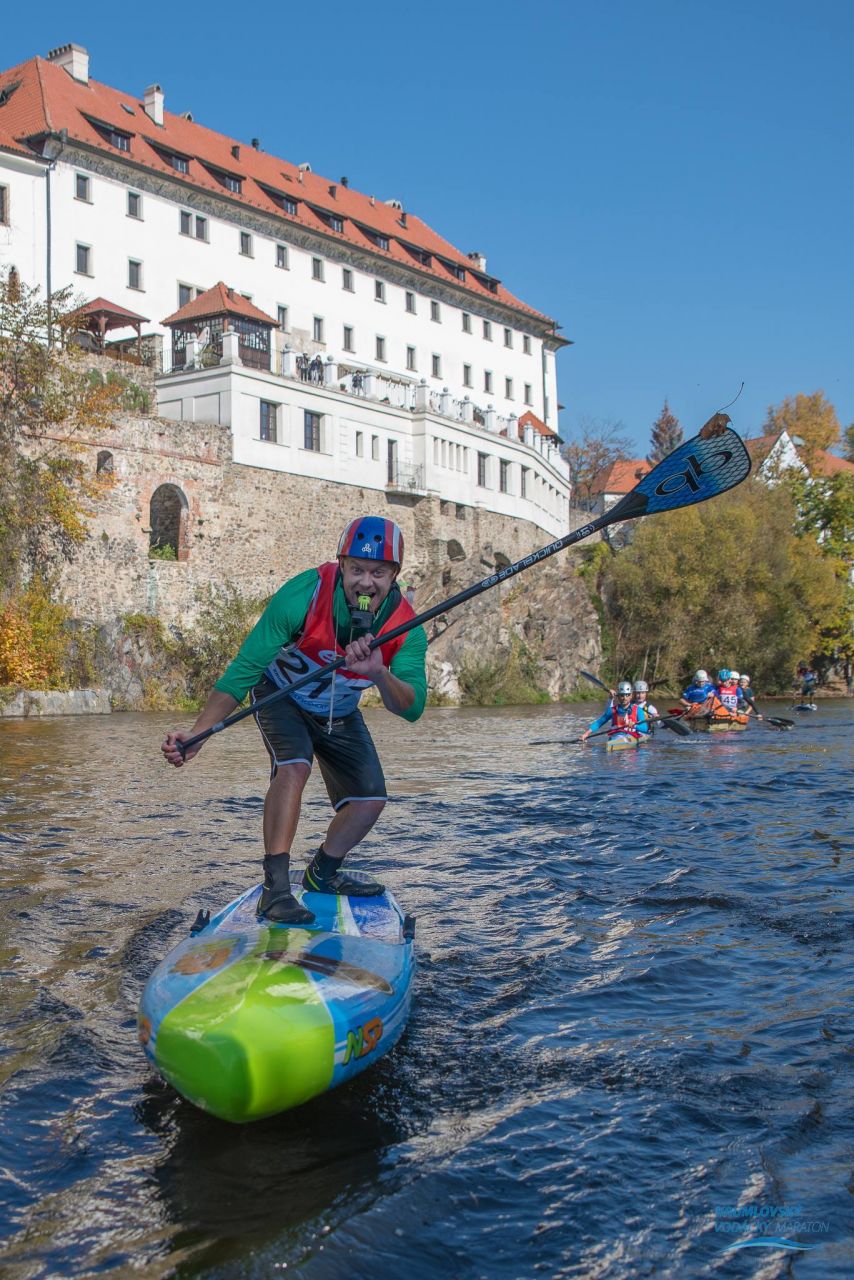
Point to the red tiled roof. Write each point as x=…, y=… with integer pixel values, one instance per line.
x=49, y=99
x=111, y=309
x=760, y=446
x=621, y=476
x=531, y=419
x=218, y=301
x=828, y=464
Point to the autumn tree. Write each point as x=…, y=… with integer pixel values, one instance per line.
x=47, y=403
x=724, y=583
x=848, y=442
x=599, y=442
x=812, y=418
x=666, y=436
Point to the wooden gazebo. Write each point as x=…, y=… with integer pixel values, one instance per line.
x=99, y=317
x=213, y=313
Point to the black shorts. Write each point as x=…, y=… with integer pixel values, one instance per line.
x=349, y=764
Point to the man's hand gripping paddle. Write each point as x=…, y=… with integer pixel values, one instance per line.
x=712, y=462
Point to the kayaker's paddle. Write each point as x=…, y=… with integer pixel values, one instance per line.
x=712, y=462
x=595, y=680
x=568, y=742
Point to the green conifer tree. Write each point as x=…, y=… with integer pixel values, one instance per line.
x=666, y=436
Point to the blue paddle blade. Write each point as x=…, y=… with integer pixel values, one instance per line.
x=714, y=461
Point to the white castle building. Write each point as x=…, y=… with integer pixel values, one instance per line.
x=335, y=333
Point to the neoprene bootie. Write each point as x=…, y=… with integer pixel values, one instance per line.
x=326, y=875
x=277, y=902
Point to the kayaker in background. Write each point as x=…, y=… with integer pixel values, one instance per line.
x=314, y=618
x=625, y=716
x=698, y=691
x=808, y=680
x=746, y=694
x=727, y=690
x=640, y=690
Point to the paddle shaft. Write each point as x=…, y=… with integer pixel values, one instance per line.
x=666, y=496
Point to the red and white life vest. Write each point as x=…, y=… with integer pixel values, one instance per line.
x=317, y=647
x=728, y=695
x=625, y=719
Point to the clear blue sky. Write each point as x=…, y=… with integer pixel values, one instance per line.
x=671, y=181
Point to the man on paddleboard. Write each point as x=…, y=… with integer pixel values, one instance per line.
x=313, y=619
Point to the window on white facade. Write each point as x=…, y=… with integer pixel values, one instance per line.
x=508, y=388
x=360, y=445
x=528, y=393
x=201, y=228
x=487, y=330
x=410, y=302
x=410, y=358
x=282, y=313
x=380, y=348
x=82, y=187
x=317, y=329
x=375, y=448
x=466, y=322
x=504, y=476
x=4, y=206
x=435, y=313
x=185, y=294
x=83, y=259
x=282, y=256
x=379, y=291
x=487, y=380
x=185, y=220
x=246, y=244
x=526, y=344
x=508, y=337
x=347, y=279
x=436, y=365
x=134, y=204
x=312, y=431
x=466, y=375
x=523, y=482
x=269, y=415
x=317, y=269
x=481, y=469
x=348, y=338
x=134, y=274
x=289, y=205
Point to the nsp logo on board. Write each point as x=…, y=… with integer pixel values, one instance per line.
x=692, y=473
x=361, y=1041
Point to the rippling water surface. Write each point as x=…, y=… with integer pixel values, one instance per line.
x=632, y=1009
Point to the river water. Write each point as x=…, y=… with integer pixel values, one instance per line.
x=630, y=1045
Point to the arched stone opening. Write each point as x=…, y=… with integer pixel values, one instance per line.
x=168, y=524
x=455, y=550
x=104, y=465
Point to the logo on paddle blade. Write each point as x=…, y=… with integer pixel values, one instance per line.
x=693, y=472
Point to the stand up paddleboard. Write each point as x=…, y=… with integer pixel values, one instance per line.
x=246, y=1018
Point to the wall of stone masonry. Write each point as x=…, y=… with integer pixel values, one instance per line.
x=250, y=526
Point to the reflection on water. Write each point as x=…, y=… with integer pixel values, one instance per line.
x=630, y=1011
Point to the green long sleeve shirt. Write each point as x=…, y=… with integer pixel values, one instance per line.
x=281, y=623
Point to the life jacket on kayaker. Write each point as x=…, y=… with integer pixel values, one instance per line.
x=317, y=646
x=728, y=695
x=629, y=720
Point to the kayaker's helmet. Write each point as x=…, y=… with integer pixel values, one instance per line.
x=372, y=538
x=724, y=673
x=624, y=689
x=701, y=677
x=640, y=686
x=744, y=678
x=734, y=676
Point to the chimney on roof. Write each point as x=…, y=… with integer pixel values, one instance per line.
x=394, y=204
x=305, y=167
x=333, y=190
x=256, y=143
x=152, y=103
x=479, y=260
x=187, y=115
x=403, y=218
x=345, y=182
x=235, y=151
x=74, y=59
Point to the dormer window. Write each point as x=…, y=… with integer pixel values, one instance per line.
x=455, y=270
x=230, y=181
x=333, y=220
x=420, y=255
x=115, y=137
x=375, y=237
